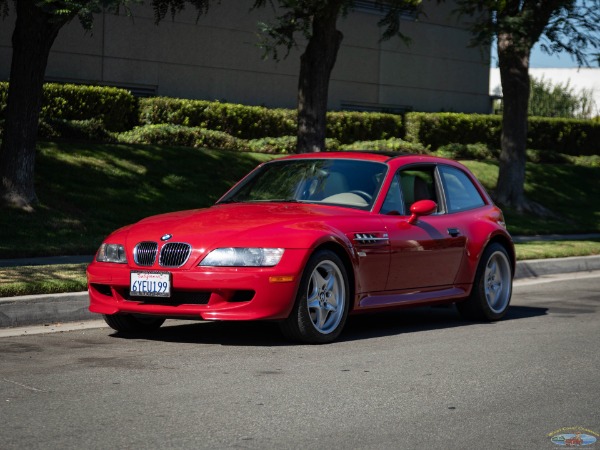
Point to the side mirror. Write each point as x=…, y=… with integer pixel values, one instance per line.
x=421, y=208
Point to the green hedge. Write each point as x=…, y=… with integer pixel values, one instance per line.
x=350, y=126
x=197, y=137
x=438, y=129
x=247, y=122
x=74, y=111
x=567, y=136
x=85, y=130
x=392, y=144
x=167, y=134
x=257, y=122
x=116, y=108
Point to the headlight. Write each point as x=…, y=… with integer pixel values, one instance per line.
x=243, y=257
x=114, y=253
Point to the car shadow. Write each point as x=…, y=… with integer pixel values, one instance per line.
x=359, y=327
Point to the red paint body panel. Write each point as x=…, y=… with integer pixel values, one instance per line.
x=390, y=262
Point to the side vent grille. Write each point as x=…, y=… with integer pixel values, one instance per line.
x=144, y=254
x=371, y=238
x=174, y=254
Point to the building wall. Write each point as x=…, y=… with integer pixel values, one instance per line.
x=217, y=57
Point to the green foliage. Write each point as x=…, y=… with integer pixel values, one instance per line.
x=273, y=145
x=479, y=151
x=558, y=100
x=392, y=144
x=568, y=136
x=257, y=122
x=247, y=122
x=586, y=161
x=116, y=108
x=559, y=26
x=298, y=16
x=196, y=137
x=88, y=130
x=350, y=126
x=546, y=157
x=438, y=129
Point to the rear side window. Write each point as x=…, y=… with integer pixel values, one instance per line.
x=461, y=194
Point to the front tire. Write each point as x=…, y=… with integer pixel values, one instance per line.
x=322, y=302
x=128, y=323
x=492, y=288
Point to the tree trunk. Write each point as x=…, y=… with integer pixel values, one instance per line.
x=315, y=71
x=514, y=75
x=33, y=36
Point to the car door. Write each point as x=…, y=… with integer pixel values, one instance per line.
x=428, y=253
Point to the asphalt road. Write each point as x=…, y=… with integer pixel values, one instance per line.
x=417, y=379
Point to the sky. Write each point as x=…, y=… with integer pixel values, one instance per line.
x=541, y=60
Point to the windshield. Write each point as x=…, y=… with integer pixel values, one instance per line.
x=342, y=182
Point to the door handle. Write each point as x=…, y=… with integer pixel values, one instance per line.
x=453, y=232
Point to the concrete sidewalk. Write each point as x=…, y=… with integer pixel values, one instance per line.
x=70, y=307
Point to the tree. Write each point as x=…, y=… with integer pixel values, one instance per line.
x=559, y=100
x=560, y=26
x=316, y=21
x=37, y=25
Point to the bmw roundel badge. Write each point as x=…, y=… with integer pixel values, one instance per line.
x=166, y=237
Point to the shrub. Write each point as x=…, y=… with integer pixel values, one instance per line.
x=257, y=122
x=392, y=144
x=350, y=126
x=586, y=161
x=438, y=129
x=116, y=108
x=273, y=145
x=166, y=134
x=90, y=130
x=477, y=151
x=568, y=136
x=247, y=122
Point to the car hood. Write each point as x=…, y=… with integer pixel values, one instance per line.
x=290, y=225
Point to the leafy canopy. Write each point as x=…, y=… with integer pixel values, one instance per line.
x=571, y=26
x=297, y=17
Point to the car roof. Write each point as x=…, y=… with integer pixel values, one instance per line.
x=396, y=158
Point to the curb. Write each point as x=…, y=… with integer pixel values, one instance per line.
x=535, y=268
x=44, y=309
x=71, y=307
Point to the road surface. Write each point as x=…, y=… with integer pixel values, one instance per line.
x=416, y=379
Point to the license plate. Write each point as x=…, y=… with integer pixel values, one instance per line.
x=150, y=284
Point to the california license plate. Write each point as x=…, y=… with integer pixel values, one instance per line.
x=150, y=284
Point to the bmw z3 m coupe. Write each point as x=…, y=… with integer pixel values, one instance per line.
x=306, y=240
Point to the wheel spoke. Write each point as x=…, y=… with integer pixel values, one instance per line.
x=325, y=297
x=497, y=283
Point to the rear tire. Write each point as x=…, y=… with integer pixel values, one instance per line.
x=492, y=289
x=322, y=302
x=128, y=323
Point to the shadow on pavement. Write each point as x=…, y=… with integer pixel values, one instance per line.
x=359, y=327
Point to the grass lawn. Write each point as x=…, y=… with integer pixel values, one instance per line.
x=29, y=280
x=87, y=190
x=571, y=192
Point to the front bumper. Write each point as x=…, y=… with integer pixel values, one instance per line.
x=224, y=293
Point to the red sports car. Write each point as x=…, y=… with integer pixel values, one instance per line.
x=306, y=240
